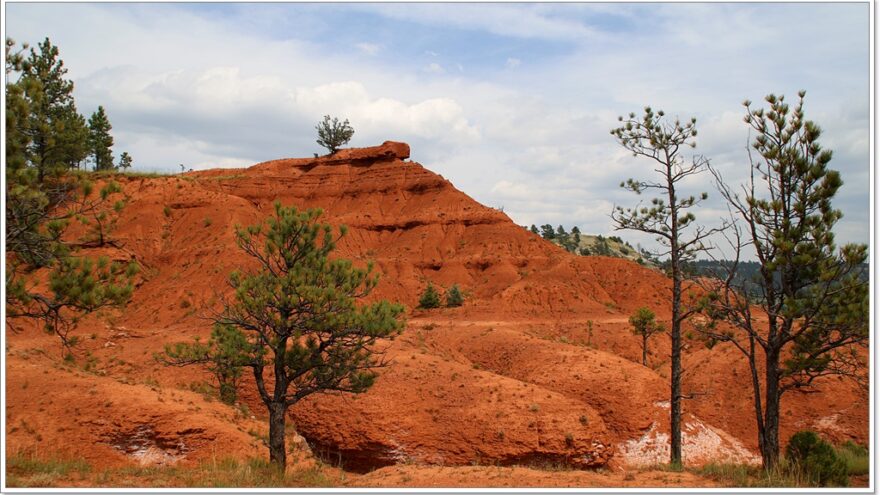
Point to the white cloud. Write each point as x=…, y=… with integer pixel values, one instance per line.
x=525, y=21
x=537, y=144
x=506, y=189
x=370, y=49
x=434, y=68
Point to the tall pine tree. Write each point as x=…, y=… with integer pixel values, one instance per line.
x=668, y=217
x=56, y=132
x=100, y=140
x=813, y=305
x=42, y=196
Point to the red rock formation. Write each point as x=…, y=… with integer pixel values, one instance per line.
x=513, y=376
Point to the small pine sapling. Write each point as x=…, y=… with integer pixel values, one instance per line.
x=454, y=297
x=430, y=299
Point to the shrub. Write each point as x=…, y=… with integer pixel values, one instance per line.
x=824, y=466
x=454, y=297
x=332, y=134
x=430, y=298
x=816, y=459
x=800, y=445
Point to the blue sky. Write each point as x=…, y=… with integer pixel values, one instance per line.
x=511, y=102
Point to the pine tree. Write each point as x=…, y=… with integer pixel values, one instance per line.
x=57, y=133
x=429, y=299
x=815, y=303
x=547, y=232
x=101, y=219
x=454, y=297
x=224, y=356
x=644, y=325
x=297, y=316
x=41, y=199
x=18, y=135
x=668, y=218
x=125, y=161
x=534, y=230
x=332, y=134
x=100, y=140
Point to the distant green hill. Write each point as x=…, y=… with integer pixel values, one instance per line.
x=592, y=245
x=598, y=245
x=747, y=272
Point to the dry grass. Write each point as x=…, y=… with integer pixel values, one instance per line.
x=27, y=471
x=747, y=476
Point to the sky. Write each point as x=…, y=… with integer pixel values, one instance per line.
x=513, y=103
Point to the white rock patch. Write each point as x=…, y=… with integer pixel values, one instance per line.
x=701, y=443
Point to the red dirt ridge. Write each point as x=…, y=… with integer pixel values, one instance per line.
x=513, y=377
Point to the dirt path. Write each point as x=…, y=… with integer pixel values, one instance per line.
x=521, y=477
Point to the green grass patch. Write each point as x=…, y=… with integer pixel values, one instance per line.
x=856, y=458
x=749, y=476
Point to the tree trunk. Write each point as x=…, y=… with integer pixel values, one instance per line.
x=644, y=350
x=675, y=333
x=277, y=406
x=277, y=449
x=675, y=400
x=770, y=450
x=756, y=390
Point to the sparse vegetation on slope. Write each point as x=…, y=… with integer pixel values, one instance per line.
x=538, y=371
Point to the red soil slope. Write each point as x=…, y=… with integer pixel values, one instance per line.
x=512, y=377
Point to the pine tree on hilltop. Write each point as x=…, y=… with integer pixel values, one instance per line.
x=56, y=132
x=45, y=137
x=125, y=161
x=332, y=134
x=576, y=236
x=100, y=140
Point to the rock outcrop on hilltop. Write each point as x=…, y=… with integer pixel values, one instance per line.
x=539, y=365
x=389, y=151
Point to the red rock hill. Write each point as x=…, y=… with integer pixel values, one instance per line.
x=538, y=366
